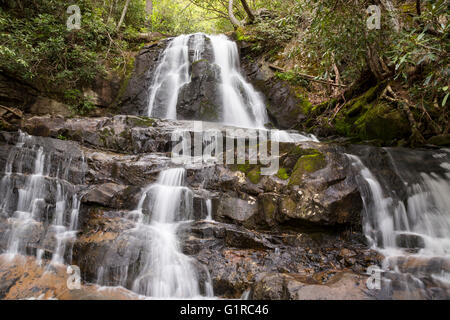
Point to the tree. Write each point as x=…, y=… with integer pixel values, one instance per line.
x=149, y=11
x=122, y=17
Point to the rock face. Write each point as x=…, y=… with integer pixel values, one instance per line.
x=297, y=229
x=201, y=98
x=135, y=97
x=284, y=106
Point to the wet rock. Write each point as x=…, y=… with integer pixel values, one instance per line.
x=410, y=241
x=342, y=286
x=107, y=243
x=200, y=99
x=43, y=106
x=24, y=278
x=112, y=195
x=135, y=97
x=235, y=209
x=284, y=106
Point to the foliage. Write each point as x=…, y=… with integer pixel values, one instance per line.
x=36, y=46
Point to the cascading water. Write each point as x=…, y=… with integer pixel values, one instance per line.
x=411, y=230
x=171, y=74
x=164, y=271
x=242, y=105
x=27, y=213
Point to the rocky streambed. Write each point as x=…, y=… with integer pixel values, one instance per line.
x=295, y=235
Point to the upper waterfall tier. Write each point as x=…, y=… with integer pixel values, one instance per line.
x=198, y=78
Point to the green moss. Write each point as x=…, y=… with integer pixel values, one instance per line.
x=282, y=174
x=288, y=205
x=321, y=108
x=252, y=171
x=141, y=121
x=307, y=164
x=129, y=68
x=245, y=168
x=269, y=208
x=254, y=175
x=369, y=118
x=441, y=140
x=298, y=151
x=61, y=137
x=241, y=35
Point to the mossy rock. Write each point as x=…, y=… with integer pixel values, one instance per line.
x=141, y=121
x=282, y=174
x=440, y=140
x=243, y=34
x=254, y=175
x=209, y=111
x=369, y=118
x=307, y=164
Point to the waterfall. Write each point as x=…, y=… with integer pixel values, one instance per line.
x=29, y=212
x=208, y=203
x=241, y=104
x=170, y=75
x=414, y=227
x=165, y=272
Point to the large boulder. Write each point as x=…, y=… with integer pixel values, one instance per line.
x=135, y=97
x=285, y=108
x=200, y=99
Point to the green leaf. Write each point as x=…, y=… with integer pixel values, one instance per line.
x=445, y=99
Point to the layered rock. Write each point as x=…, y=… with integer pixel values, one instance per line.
x=298, y=223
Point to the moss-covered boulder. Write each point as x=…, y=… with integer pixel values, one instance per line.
x=307, y=163
x=440, y=140
x=368, y=117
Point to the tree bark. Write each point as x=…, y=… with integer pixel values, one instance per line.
x=233, y=19
x=418, y=9
x=149, y=11
x=248, y=10
x=387, y=4
x=122, y=17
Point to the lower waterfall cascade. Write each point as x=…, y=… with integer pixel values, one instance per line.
x=29, y=209
x=412, y=228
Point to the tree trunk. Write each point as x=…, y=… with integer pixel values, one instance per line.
x=248, y=10
x=418, y=9
x=387, y=4
x=149, y=11
x=233, y=19
x=122, y=17
x=113, y=4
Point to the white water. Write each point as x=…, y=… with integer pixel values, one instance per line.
x=165, y=271
x=425, y=214
x=242, y=105
x=209, y=210
x=27, y=215
x=170, y=75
